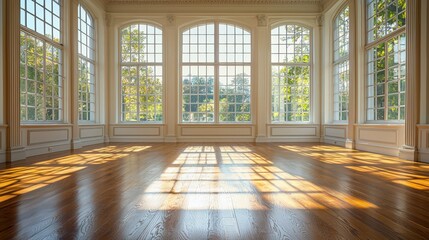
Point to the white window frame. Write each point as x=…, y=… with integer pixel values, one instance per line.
x=368, y=46
x=93, y=61
x=309, y=64
x=216, y=65
x=138, y=65
x=336, y=64
x=58, y=45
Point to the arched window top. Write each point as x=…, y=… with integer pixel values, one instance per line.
x=232, y=41
x=290, y=43
x=341, y=34
x=85, y=15
x=141, y=43
x=86, y=34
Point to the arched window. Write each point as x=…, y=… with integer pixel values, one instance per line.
x=386, y=60
x=291, y=71
x=341, y=65
x=216, y=74
x=141, y=63
x=41, y=60
x=86, y=65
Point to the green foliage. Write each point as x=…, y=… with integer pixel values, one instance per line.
x=41, y=79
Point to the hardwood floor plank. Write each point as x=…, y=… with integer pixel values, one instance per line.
x=214, y=191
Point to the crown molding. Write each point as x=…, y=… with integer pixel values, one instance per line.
x=216, y=2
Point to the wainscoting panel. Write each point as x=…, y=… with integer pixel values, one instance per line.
x=91, y=132
x=37, y=136
x=335, y=134
x=136, y=133
x=211, y=133
x=384, y=139
x=46, y=139
x=293, y=133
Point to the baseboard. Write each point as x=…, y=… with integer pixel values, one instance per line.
x=215, y=139
x=135, y=140
x=424, y=157
x=2, y=157
x=408, y=154
x=170, y=139
x=293, y=139
x=87, y=142
x=262, y=139
x=39, y=150
x=335, y=141
x=15, y=154
x=391, y=151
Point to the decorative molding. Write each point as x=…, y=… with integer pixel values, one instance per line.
x=216, y=2
x=293, y=131
x=335, y=132
x=171, y=19
x=221, y=131
x=91, y=132
x=108, y=19
x=45, y=131
x=262, y=20
x=367, y=134
x=319, y=20
x=132, y=131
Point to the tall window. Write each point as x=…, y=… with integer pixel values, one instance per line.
x=290, y=69
x=386, y=60
x=86, y=65
x=216, y=74
x=41, y=61
x=341, y=65
x=141, y=74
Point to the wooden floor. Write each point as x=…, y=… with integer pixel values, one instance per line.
x=214, y=191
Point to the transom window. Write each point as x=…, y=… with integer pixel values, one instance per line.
x=386, y=60
x=341, y=65
x=86, y=65
x=41, y=70
x=290, y=71
x=141, y=74
x=216, y=74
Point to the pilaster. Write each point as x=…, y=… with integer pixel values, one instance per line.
x=171, y=78
x=14, y=148
x=409, y=150
x=352, y=117
x=260, y=64
x=74, y=74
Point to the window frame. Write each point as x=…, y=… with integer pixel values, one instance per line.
x=93, y=61
x=62, y=97
x=120, y=64
x=367, y=47
x=338, y=62
x=311, y=74
x=216, y=65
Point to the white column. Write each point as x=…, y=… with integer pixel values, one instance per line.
x=409, y=150
x=14, y=148
x=171, y=79
x=261, y=87
x=352, y=117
